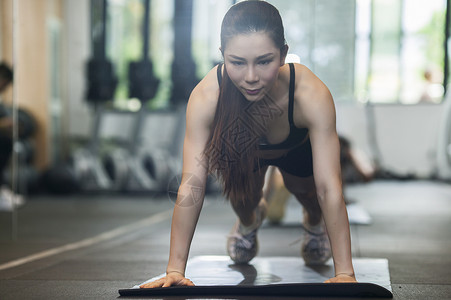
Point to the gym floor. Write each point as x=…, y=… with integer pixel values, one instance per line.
x=88, y=247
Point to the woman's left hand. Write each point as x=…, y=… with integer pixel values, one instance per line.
x=340, y=278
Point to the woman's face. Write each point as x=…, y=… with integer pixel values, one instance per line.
x=253, y=63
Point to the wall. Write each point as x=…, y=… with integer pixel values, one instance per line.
x=31, y=63
x=6, y=36
x=406, y=135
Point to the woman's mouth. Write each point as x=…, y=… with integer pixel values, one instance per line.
x=253, y=92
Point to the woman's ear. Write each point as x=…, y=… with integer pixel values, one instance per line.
x=283, y=54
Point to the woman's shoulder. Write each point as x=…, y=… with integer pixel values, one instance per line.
x=303, y=75
x=312, y=96
x=204, y=97
x=308, y=85
x=207, y=90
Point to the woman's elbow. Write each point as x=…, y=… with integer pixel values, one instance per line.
x=329, y=193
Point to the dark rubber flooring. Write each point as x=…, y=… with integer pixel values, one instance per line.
x=89, y=247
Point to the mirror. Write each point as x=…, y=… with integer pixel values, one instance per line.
x=8, y=124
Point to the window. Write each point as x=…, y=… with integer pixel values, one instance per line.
x=322, y=34
x=400, y=51
x=124, y=44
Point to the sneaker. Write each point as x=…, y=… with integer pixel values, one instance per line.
x=315, y=247
x=8, y=199
x=243, y=246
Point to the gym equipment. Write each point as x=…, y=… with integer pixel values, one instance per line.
x=117, y=169
x=60, y=179
x=274, y=276
x=138, y=169
x=87, y=164
x=183, y=66
x=27, y=174
x=102, y=83
x=25, y=121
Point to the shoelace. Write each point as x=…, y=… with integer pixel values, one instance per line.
x=244, y=240
x=309, y=232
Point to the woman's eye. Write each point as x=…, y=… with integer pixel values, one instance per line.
x=237, y=63
x=265, y=62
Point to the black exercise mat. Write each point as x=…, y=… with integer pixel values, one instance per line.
x=274, y=276
x=280, y=290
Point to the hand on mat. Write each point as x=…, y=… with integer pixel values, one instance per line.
x=170, y=279
x=341, y=278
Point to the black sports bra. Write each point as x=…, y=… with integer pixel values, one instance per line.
x=296, y=135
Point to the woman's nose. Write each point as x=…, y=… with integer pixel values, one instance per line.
x=251, y=75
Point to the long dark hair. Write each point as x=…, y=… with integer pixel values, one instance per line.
x=231, y=148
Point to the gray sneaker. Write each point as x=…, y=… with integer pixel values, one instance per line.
x=315, y=247
x=244, y=247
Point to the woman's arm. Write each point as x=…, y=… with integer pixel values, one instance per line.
x=317, y=112
x=190, y=197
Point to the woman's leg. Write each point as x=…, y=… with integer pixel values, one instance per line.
x=315, y=247
x=305, y=191
x=246, y=211
x=276, y=194
x=242, y=243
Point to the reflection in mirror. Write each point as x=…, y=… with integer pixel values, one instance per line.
x=8, y=117
x=29, y=36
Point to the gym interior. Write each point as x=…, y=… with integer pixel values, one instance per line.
x=97, y=107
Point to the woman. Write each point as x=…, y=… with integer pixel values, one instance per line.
x=251, y=112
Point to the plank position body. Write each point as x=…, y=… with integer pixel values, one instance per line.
x=250, y=112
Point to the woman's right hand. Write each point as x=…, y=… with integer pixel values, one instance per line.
x=170, y=279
